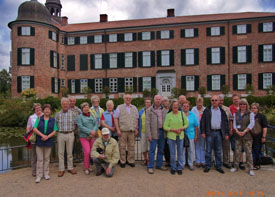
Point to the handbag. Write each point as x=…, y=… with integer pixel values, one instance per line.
x=186, y=141
x=33, y=136
x=257, y=129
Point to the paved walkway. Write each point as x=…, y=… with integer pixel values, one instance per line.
x=136, y=182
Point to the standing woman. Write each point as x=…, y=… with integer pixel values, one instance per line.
x=37, y=113
x=259, y=135
x=166, y=105
x=243, y=124
x=192, y=133
x=200, y=144
x=107, y=119
x=96, y=111
x=175, y=123
x=45, y=128
x=87, y=125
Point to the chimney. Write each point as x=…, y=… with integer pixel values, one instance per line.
x=64, y=21
x=103, y=18
x=171, y=12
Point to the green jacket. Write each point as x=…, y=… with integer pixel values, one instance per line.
x=111, y=151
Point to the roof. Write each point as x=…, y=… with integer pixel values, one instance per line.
x=163, y=21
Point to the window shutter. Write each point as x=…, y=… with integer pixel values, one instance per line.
x=19, y=56
x=134, y=36
x=120, y=37
x=134, y=84
x=260, y=27
x=121, y=85
x=71, y=63
x=77, y=40
x=197, y=57
x=260, y=53
x=52, y=80
x=91, y=84
x=77, y=86
x=19, y=84
x=139, y=35
x=158, y=34
x=140, y=60
x=182, y=33
x=92, y=57
x=248, y=78
x=158, y=58
x=222, y=30
x=273, y=78
x=273, y=52
x=83, y=62
x=51, y=58
x=140, y=84
x=152, y=35
x=90, y=39
x=57, y=37
x=19, y=31
x=261, y=81
x=209, y=56
x=65, y=40
x=183, y=57
x=121, y=60
x=273, y=26
x=50, y=34
x=32, y=31
x=171, y=34
x=248, y=28
x=153, y=82
x=171, y=56
x=222, y=81
x=105, y=82
x=196, y=32
x=197, y=83
x=234, y=29
x=70, y=86
x=106, y=61
x=183, y=82
x=58, y=91
x=152, y=58
x=31, y=81
x=57, y=60
x=105, y=38
x=248, y=54
x=209, y=82
x=235, y=82
x=235, y=55
x=31, y=56
x=222, y=55
x=208, y=31
x=134, y=59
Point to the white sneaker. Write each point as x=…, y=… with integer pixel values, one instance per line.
x=233, y=170
x=87, y=172
x=251, y=173
x=37, y=180
x=47, y=177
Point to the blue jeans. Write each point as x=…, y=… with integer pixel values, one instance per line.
x=153, y=145
x=172, y=147
x=190, y=152
x=214, y=141
x=200, y=150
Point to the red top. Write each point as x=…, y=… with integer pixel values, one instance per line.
x=233, y=109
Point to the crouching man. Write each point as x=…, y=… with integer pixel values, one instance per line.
x=105, y=153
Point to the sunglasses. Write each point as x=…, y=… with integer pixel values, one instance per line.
x=214, y=100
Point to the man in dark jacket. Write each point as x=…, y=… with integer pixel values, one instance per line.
x=214, y=127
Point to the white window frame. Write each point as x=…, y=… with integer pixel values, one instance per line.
x=56, y=85
x=113, y=60
x=146, y=58
x=190, y=56
x=267, y=53
x=146, y=83
x=26, y=82
x=55, y=59
x=83, y=84
x=71, y=40
x=216, y=55
x=113, y=85
x=267, y=80
x=62, y=62
x=189, y=33
x=98, y=85
x=128, y=37
x=83, y=39
x=165, y=58
x=26, y=56
x=241, y=50
x=25, y=31
x=268, y=27
x=98, y=39
x=164, y=34
x=216, y=82
x=73, y=86
x=112, y=37
x=215, y=31
x=98, y=61
x=54, y=36
x=129, y=84
x=146, y=35
x=241, y=29
x=128, y=60
x=190, y=83
x=242, y=80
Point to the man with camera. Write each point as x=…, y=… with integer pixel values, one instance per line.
x=105, y=153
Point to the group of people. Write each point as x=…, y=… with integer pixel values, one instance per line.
x=170, y=128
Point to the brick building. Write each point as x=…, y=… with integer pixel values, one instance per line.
x=188, y=52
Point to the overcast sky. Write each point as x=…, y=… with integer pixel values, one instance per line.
x=79, y=11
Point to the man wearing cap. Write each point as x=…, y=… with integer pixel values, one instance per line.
x=105, y=153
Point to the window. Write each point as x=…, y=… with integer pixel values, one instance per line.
x=98, y=38
x=146, y=58
x=146, y=35
x=83, y=85
x=215, y=56
x=128, y=37
x=241, y=81
x=73, y=86
x=113, y=60
x=267, y=53
x=26, y=31
x=241, y=29
x=113, y=38
x=190, y=83
x=129, y=85
x=216, y=84
x=128, y=60
x=56, y=85
x=62, y=62
x=189, y=33
x=54, y=59
x=70, y=40
x=83, y=40
x=113, y=84
x=146, y=83
x=98, y=85
x=63, y=83
x=190, y=57
x=26, y=81
x=25, y=56
x=268, y=27
x=165, y=34
x=267, y=80
x=242, y=54
x=54, y=36
x=165, y=58
x=215, y=31
x=98, y=61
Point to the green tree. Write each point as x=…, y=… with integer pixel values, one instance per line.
x=5, y=81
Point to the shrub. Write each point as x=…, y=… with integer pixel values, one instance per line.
x=202, y=91
x=28, y=93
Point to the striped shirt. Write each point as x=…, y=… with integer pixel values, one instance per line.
x=66, y=121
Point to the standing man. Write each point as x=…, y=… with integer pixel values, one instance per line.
x=225, y=143
x=214, y=127
x=66, y=122
x=182, y=99
x=126, y=122
x=155, y=117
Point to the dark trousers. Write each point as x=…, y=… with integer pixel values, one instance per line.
x=257, y=150
x=166, y=152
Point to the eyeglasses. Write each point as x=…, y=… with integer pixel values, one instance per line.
x=214, y=100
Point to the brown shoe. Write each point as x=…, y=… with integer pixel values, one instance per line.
x=60, y=173
x=72, y=171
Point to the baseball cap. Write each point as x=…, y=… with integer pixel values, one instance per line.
x=105, y=131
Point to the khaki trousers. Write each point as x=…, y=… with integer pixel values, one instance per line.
x=43, y=161
x=33, y=159
x=247, y=144
x=65, y=141
x=226, y=151
x=127, y=139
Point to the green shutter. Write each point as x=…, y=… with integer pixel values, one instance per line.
x=105, y=82
x=19, y=56
x=208, y=31
x=209, y=56
x=121, y=85
x=32, y=31
x=260, y=53
x=183, y=57
x=105, y=38
x=248, y=54
x=120, y=37
x=71, y=63
x=183, y=82
x=57, y=37
x=70, y=86
x=260, y=81
x=171, y=34
x=91, y=84
x=58, y=91
x=171, y=56
x=50, y=34
x=51, y=58
x=158, y=58
x=152, y=58
x=248, y=28
x=31, y=81
x=121, y=60
x=209, y=82
x=222, y=81
x=196, y=32
x=235, y=55
x=235, y=82
x=222, y=29
x=222, y=55
x=32, y=55
x=139, y=35
x=153, y=82
x=158, y=34
x=248, y=79
x=197, y=57
x=19, y=31
x=234, y=29
x=52, y=82
x=57, y=60
x=77, y=40
x=152, y=35
x=106, y=61
x=182, y=33
x=140, y=59
x=134, y=36
x=134, y=59
x=83, y=61
x=273, y=76
x=134, y=84
x=77, y=86
x=90, y=39
x=19, y=84
x=260, y=27
x=92, y=59
x=197, y=83
x=140, y=84
x=273, y=51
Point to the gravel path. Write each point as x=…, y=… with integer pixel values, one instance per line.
x=137, y=182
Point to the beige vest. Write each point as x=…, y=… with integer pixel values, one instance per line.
x=127, y=122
